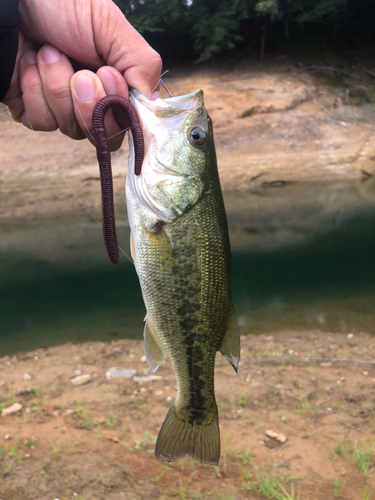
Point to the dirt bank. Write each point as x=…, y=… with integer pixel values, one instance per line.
x=95, y=441
x=273, y=125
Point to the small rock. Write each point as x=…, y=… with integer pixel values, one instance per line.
x=12, y=409
x=169, y=399
x=272, y=434
x=365, y=373
x=48, y=408
x=27, y=455
x=143, y=359
x=68, y=412
x=115, y=439
x=76, y=373
x=283, y=418
x=158, y=393
x=7, y=437
x=147, y=378
x=350, y=335
x=277, y=436
x=27, y=376
x=114, y=372
x=81, y=380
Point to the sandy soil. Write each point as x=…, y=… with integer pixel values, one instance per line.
x=96, y=441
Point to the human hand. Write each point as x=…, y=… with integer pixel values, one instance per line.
x=46, y=93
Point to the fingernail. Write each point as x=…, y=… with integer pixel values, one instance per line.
x=30, y=57
x=84, y=88
x=109, y=83
x=155, y=95
x=50, y=54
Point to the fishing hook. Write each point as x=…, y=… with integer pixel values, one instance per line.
x=104, y=158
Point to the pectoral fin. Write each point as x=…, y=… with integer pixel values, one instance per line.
x=230, y=346
x=154, y=352
x=132, y=251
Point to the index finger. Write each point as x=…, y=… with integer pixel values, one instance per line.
x=122, y=47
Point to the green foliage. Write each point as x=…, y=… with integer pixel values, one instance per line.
x=220, y=30
x=203, y=29
x=362, y=458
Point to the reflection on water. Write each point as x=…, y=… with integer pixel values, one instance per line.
x=302, y=259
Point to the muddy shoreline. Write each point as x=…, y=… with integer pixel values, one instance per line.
x=274, y=125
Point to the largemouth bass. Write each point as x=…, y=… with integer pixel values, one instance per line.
x=181, y=251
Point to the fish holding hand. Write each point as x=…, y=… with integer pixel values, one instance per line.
x=181, y=250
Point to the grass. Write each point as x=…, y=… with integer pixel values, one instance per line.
x=54, y=447
x=339, y=450
x=157, y=478
x=14, y=452
x=305, y=407
x=31, y=442
x=110, y=420
x=270, y=487
x=337, y=487
x=367, y=493
x=244, y=457
x=182, y=489
x=83, y=418
x=362, y=458
x=142, y=443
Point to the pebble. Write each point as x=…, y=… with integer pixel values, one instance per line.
x=81, y=380
x=7, y=437
x=143, y=359
x=365, y=373
x=27, y=376
x=350, y=335
x=169, y=399
x=11, y=409
x=277, y=436
x=114, y=372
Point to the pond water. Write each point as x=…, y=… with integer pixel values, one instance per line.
x=302, y=259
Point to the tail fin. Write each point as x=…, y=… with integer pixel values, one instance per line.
x=178, y=439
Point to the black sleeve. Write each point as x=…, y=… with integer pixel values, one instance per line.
x=9, y=24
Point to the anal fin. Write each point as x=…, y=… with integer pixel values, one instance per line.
x=230, y=346
x=154, y=352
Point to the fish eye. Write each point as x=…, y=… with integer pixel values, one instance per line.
x=197, y=136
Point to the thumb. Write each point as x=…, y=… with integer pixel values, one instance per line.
x=122, y=47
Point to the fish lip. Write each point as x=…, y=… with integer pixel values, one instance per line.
x=172, y=105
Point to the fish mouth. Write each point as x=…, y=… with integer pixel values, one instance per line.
x=168, y=107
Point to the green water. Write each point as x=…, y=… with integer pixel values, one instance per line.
x=303, y=258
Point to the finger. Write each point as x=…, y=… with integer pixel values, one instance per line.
x=56, y=72
x=36, y=113
x=114, y=84
x=122, y=47
x=87, y=90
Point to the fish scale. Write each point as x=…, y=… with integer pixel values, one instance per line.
x=182, y=254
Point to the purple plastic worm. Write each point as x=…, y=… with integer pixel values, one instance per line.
x=104, y=158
